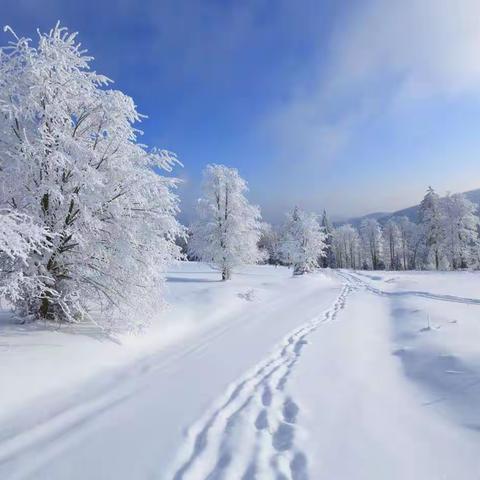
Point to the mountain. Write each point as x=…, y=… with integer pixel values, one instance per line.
x=355, y=221
x=411, y=212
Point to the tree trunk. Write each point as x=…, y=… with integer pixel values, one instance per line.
x=44, y=308
x=226, y=274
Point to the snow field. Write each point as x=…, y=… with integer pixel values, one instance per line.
x=377, y=376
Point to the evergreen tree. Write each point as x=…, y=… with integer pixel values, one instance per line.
x=430, y=219
x=328, y=260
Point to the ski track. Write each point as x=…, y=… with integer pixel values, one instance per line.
x=251, y=432
x=49, y=431
x=444, y=298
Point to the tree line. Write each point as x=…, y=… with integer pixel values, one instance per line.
x=229, y=232
x=444, y=237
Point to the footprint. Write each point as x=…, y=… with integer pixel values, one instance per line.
x=266, y=397
x=290, y=411
x=283, y=438
x=298, y=467
x=283, y=381
x=299, y=345
x=262, y=420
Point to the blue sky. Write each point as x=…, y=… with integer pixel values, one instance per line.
x=354, y=106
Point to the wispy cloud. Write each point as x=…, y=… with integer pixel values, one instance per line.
x=349, y=121
x=380, y=54
x=429, y=47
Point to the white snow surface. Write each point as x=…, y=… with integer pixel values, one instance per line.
x=339, y=375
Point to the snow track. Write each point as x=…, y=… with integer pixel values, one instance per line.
x=51, y=431
x=251, y=431
x=431, y=296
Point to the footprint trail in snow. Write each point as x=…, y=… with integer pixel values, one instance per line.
x=250, y=433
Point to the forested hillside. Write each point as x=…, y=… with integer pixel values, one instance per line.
x=410, y=212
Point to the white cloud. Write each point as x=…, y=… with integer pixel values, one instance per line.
x=430, y=46
x=381, y=58
x=380, y=54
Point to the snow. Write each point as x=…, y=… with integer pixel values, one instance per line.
x=365, y=375
x=378, y=414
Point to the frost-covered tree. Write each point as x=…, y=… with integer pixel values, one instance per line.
x=269, y=243
x=303, y=241
x=228, y=228
x=392, y=242
x=19, y=236
x=19, y=239
x=328, y=260
x=430, y=219
x=70, y=161
x=409, y=242
x=338, y=246
x=460, y=230
x=346, y=242
x=372, y=243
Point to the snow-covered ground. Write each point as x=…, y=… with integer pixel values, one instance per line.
x=339, y=375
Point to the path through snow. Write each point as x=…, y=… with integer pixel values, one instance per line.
x=251, y=433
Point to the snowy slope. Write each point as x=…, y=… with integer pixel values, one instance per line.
x=340, y=375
